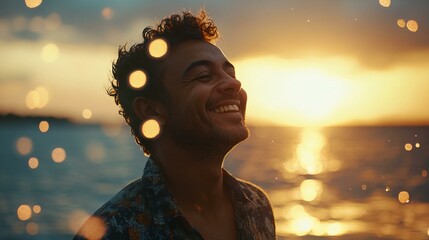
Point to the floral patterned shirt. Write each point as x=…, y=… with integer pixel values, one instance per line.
x=145, y=209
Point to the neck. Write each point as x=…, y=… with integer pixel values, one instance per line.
x=194, y=177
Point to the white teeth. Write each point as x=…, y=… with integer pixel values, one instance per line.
x=227, y=108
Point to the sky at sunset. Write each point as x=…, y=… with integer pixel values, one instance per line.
x=302, y=62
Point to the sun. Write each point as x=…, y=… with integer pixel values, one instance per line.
x=291, y=92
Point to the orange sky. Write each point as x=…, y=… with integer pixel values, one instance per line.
x=302, y=62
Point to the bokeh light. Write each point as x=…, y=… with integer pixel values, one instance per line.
x=53, y=22
x=86, y=113
x=58, y=155
x=364, y=187
x=404, y=197
x=37, y=98
x=107, y=13
x=335, y=228
x=33, y=163
x=424, y=173
x=385, y=3
x=150, y=128
x=137, y=79
x=310, y=189
x=408, y=146
x=387, y=189
x=24, y=145
x=401, y=23
x=50, y=52
x=33, y=3
x=24, y=212
x=158, y=48
x=37, y=209
x=43, y=126
x=95, y=152
x=94, y=227
x=32, y=228
x=417, y=145
x=412, y=25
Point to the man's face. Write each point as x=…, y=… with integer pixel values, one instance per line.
x=206, y=104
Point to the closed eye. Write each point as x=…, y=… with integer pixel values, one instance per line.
x=204, y=77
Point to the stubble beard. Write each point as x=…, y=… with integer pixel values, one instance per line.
x=209, y=138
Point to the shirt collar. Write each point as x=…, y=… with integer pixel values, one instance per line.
x=165, y=209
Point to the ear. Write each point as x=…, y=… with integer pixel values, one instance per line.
x=146, y=109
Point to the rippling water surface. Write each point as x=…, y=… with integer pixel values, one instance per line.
x=330, y=183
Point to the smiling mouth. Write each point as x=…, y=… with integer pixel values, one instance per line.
x=226, y=108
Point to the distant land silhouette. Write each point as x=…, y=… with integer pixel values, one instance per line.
x=14, y=118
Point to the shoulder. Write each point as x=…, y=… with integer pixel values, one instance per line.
x=125, y=213
x=253, y=192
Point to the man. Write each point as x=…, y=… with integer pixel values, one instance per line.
x=188, y=91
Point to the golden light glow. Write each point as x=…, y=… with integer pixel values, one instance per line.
x=385, y=3
x=33, y=163
x=43, y=126
x=417, y=145
x=137, y=79
x=107, y=13
x=412, y=25
x=50, y=52
x=33, y=3
x=58, y=155
x=24, y=212
x=310, y=189
x=408, y=146
x=37, y=209
x=94, y=227
x=150, y=128
x=86, y=113
x=424, y=173
x=401, y=23
x=335, y=228
x=37, y=98
x=404, y=197
x=158, y=48
x=309, y=151
x=387, y=189
x=24, y=145
x=32, y=228
x=304, y=93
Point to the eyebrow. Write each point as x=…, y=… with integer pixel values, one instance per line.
x=203, y=62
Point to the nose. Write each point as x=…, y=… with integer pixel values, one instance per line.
x=229, y=85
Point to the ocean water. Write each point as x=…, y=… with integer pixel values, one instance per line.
x=329, y=183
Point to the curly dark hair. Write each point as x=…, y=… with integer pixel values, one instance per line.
x=174, y=29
